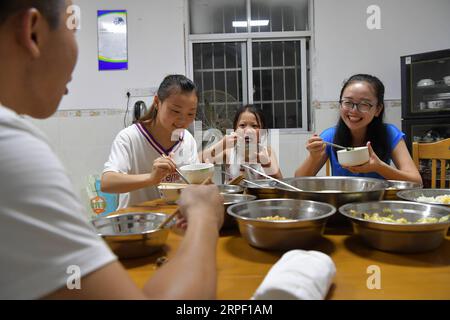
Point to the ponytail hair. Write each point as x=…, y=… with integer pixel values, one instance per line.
x=172, y=84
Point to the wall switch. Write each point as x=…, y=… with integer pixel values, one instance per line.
x=142, y=92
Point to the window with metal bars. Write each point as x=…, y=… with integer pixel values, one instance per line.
x=266, y=65
x=277, y=82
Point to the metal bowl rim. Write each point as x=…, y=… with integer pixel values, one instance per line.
x=238, y=217
x=231, y=186
x=417, y=185
x=384, y=184
x=250, y=196
x=107, y=218
x=344, y=207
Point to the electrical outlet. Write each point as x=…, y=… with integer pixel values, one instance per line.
x=141, y=92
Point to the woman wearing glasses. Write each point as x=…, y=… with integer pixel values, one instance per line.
x=361, y=123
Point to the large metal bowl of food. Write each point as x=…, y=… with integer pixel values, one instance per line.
x=133, y=235
x=430, y=196
x=399, y=226
x=398, y=185
x=336, y=191
x=281, y=224
x=230, y=199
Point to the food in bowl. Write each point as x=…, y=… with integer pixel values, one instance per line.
x=406, y=227
x=303, y=228
x=198, y=173
x=391, y=219
x=354, y=157
x=429, y=196
x=444, y=199
x=170, y=192
x=274, y=218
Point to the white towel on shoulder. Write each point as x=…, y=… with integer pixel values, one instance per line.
x=299, y=274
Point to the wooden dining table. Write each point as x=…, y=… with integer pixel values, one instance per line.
x=242, y=268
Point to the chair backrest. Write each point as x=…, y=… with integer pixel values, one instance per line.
x=433, y=151
x=328, y=168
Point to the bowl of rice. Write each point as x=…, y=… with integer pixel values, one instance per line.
x=430, y=196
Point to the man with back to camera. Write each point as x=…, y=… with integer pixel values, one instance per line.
x=43, y=230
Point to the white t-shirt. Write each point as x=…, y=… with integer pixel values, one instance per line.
x=43, y=230
x=133, y=152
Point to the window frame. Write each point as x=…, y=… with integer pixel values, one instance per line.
x=249, y=37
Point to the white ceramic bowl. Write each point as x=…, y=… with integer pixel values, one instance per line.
x=197, y=173
x=447, y=80
x=436, y=104
x=425, y=83
x=170, y=192
x=355, y=157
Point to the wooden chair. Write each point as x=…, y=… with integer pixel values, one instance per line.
x=328, y=168
x=433, y=151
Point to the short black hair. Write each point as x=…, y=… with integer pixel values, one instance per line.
x=50, y=9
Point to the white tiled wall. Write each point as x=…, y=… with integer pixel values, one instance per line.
x=82, y=143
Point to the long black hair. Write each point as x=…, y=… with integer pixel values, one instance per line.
x=376, y=130
x=257, y=112
x=172, y=84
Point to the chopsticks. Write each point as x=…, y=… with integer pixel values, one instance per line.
x=236, y=180
x=176, y=168
x=245, y=180
x=271, y=178
x=338, y=146
x=168, y=219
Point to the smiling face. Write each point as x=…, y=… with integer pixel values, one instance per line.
x=177, y=111
x=248, y=126
x=358, y=92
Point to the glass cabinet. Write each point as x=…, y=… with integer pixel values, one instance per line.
x=426, y=85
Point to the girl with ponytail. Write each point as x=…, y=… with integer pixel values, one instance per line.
x=147, y=153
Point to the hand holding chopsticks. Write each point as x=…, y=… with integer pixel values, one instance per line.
x=177, y=170
x=177, y=211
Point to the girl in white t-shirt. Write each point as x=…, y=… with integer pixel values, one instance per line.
x=246, y=145
x=138, y=162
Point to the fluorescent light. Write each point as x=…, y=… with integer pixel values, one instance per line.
x=253, y=23
x=239, y=24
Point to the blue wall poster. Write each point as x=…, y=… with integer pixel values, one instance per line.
x=112, y=40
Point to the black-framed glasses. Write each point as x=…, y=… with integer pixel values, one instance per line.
x=361, y=107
